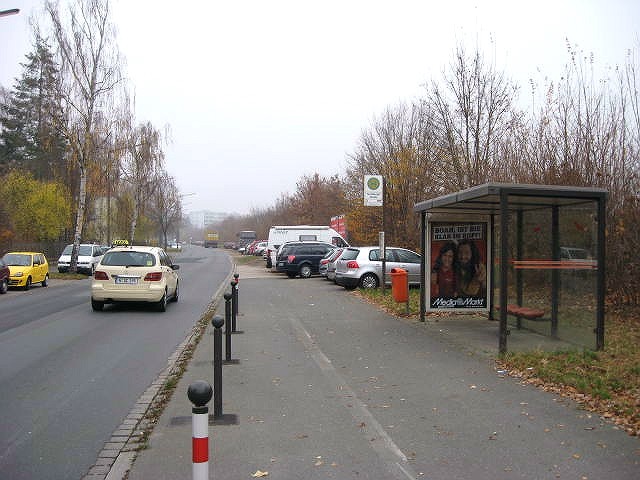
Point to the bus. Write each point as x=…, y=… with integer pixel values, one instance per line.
x=245, y=238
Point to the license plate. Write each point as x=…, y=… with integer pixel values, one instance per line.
x=281, y=264
x=127, y=280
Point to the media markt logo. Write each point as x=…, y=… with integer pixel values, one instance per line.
x=373, y=183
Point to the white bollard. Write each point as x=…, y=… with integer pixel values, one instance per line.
x=200, y=393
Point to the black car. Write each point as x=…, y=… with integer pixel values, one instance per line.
x=301, y=258
x=4, y=276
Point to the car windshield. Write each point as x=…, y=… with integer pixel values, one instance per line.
x=17, y=260
x=83, y=250
x=128, y=259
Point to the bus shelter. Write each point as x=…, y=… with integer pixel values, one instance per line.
x=530, y=256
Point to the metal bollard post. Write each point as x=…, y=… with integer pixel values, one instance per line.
x=217, y=323
x=236, y=276
x=199, y=393
x=234, y=304
x=227, y=329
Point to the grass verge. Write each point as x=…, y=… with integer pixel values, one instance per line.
x=606, y=382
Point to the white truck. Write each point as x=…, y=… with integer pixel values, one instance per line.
x=278, y=235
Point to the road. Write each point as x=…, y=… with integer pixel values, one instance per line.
x=69, y=376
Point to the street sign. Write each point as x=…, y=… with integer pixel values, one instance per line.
x=373, y=191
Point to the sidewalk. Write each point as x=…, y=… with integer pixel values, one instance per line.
x=327, y=386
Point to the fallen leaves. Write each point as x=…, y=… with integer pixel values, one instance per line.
x=259, y=474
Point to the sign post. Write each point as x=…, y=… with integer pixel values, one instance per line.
x=374, y=197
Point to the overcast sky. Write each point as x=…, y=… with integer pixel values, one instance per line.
x=258, y=93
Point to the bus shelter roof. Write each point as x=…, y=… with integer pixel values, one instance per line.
x=485, y=199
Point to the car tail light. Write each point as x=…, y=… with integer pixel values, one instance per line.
x=352, y=264
x=153, y=277
x=291, y=258
x=100, y=275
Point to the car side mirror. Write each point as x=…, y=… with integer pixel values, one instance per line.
x=175, y=267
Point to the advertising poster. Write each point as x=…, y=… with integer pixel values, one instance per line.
x=457, y=270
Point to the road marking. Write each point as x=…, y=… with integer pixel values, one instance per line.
x=384, y=446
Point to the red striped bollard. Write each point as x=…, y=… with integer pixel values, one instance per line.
x=200, y=393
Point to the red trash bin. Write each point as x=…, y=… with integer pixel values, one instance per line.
x=399, y=284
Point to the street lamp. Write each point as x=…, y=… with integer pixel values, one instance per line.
x=6, y=13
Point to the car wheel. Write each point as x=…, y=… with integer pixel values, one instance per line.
x=176, y=293
x=96, y=305
x=305, y=271
x=27, y=285
x=291, y=274
x=161, y=306
x=369, y=280
x=45, y=282
x=4, y=286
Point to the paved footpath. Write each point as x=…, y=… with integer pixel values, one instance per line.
x=328, y=386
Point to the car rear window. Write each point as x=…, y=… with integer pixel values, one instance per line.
x=350, y=254
x=129, y=259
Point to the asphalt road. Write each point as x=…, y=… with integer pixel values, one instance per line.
x=68, y=375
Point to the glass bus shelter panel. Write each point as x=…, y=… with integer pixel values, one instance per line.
x=578, y=274
x=534, y=269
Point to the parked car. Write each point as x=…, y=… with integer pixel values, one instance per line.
x=301, y=258
x=324, y=261
x=27, y=268
x=331, y=265
x=259, y=248
x=4, y=276
x=249, y=248
x=135, y=274
x=89, y=255
x=362, y=266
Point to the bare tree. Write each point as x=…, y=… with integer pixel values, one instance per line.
x=317, y=199
x=473, y=110
x=166, y=208
x=89, y=65
x=142, y=167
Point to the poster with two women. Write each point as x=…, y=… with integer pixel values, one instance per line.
x=457, y=268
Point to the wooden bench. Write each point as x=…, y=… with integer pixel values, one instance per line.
x=525, y=312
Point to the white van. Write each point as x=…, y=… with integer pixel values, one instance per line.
x=89, y=255
x=279, y=235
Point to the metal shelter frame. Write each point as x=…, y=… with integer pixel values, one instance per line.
x=503, y=200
